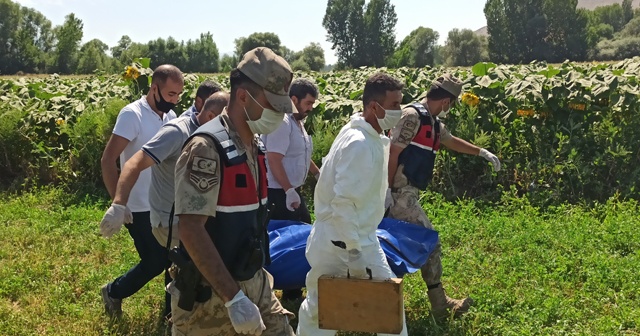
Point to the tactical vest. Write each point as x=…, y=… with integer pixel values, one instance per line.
x=239, y=229
x=420, y=156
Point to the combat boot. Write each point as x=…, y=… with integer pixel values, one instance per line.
x=442, y=306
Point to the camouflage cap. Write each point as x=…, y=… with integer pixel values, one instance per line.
x=450, y=84
x=272, y=73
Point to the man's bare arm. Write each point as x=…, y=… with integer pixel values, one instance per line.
x=461, y=146
x=129, y=175
x=110, y=155
x=313, y=168
x=277, y=169
x=394, y=153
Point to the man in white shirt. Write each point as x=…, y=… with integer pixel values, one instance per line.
x=136, y=124
x=289, y=151
x=161, y=154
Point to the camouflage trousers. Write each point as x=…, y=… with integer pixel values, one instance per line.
x=407, y=208
x=211, y=317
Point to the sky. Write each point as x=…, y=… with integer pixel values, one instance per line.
x=296, y=22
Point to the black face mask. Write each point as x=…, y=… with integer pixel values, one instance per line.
x=163, y=105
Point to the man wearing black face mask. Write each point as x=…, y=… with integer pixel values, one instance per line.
x=414, y=143
x=137, y=123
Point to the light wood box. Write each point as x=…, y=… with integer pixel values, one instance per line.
x=361, y=305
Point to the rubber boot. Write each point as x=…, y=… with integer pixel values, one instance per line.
x=442, y=306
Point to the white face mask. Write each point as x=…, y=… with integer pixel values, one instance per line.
x=444, y=113
x=390, y=120
x=268, y=122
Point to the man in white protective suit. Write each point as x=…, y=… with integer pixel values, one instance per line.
x=349, y=199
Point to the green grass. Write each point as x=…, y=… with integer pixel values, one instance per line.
x=564, y=270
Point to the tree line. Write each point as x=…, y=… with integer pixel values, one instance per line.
x=30, y=44
x=362, y=34
x=518, y=32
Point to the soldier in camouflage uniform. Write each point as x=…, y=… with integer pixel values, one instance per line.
x=221, y=199
x=414, y=144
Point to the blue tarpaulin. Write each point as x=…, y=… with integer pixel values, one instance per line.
x=406, y=245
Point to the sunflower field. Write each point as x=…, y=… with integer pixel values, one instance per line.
x=569, y=132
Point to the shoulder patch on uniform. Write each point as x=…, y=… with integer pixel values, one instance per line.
x=203, y=173
x=204, y=165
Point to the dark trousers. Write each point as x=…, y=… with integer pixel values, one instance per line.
x=153, y=260
x=278, y=207
x=279, y=211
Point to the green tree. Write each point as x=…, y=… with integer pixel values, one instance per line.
x=123, y=44
x=228, y=62
x=627, y=11
x=361, y=34
x=313, y=56
x=631, y=29
x=168, y=51
x=93, y=57
x=68, y=38
x=26, y=39
x=567, y=35
x=288, y=54
x=516, y=30
x=202, y=55
x=300, y=65
x=344, y=22
x=464, y=48
x=417, y=49
x=379, y=22
x=269, y=40
x=612, y=15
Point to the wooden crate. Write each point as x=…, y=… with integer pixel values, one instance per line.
x=360, y=305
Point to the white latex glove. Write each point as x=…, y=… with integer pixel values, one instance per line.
x=245, y=315
x=293, y=199
x=112, y=221
x=317, y=176
x=356, y=264
x=388, y=200
x=487, y=155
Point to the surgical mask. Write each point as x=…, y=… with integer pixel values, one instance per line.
x=444, y=113
x=163, y=105
x=268, y=122
x=391, y=118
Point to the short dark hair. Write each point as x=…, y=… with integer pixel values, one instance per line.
x=301, y=87
x=166, y=71
x=207, y=88
x=436, y=92
x=239, y=80
x=377, y=86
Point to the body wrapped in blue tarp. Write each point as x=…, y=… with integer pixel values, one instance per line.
x=407, y=247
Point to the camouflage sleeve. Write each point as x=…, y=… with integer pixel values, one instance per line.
x=406, y=129
x=445, y=135
x=197, y=178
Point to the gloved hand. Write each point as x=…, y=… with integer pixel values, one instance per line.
x=245, y=315
x=112, y=221
x=293, y=199
x=487, y=155
x=356, y=264
x=317, y=176
x=388, y=200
